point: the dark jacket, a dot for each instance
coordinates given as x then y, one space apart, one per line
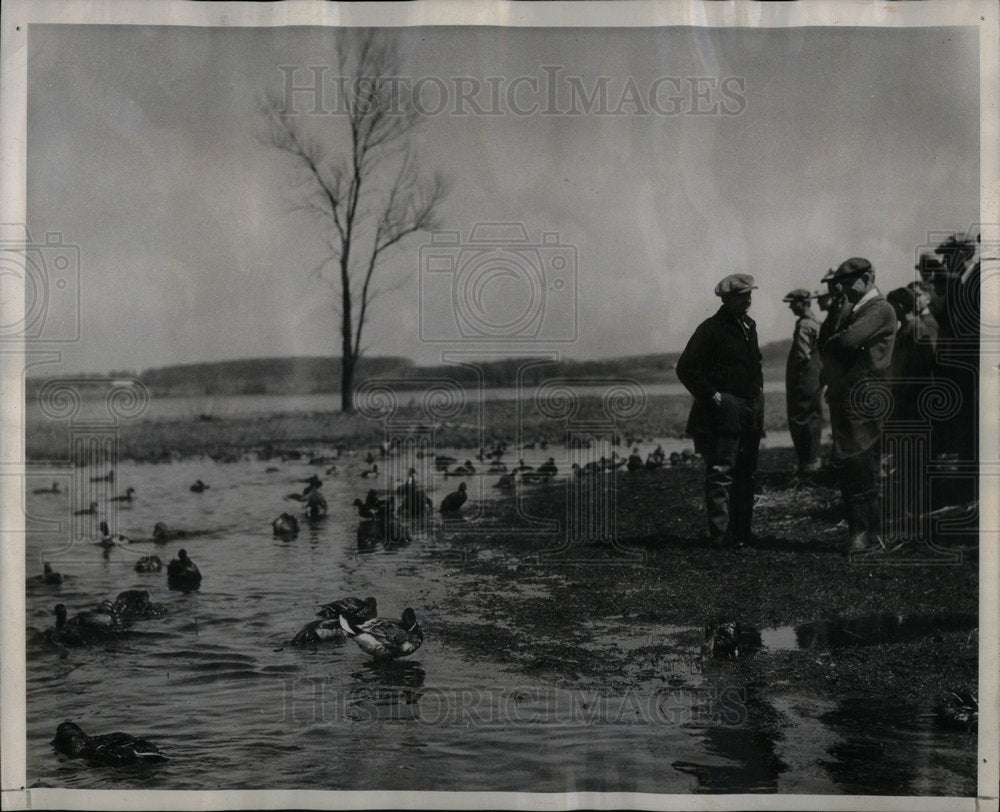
722 357
803 365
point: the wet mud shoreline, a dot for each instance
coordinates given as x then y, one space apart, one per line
897 636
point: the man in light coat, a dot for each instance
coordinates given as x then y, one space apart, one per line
861 349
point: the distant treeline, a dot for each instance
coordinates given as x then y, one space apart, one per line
308 375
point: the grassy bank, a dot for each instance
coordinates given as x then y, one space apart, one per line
224 437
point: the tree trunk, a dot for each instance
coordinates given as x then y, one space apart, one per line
347 384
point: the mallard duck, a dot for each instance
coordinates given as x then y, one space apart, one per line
109 750
108 477
50 576
183 573
453 502
135 604
506 482
548 468
319 631
316 506
53 489
149 563
109 539
198 487
163 533
285 525
354 609
90 511
959 710
386 639
126 497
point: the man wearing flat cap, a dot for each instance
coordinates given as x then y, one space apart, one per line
862 351
721 368
802 387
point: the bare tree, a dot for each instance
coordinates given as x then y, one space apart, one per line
366 190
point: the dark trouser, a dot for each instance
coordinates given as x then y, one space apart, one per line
730 465
859 488
805 422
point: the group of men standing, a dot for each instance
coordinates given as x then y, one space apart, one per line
721 367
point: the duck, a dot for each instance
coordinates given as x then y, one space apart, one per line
86 627
109 539
443 461
162 533
727 639
53 489
135 604
355 609
548 468
50 576
370 472
497 468
386 639
521 468
183 573
90 511
108 477
319 631
285 525
126 497
316 506
109 750
959 710
364 511
149 563
198 487
453 502
506 482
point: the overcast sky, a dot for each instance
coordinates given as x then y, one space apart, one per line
145 151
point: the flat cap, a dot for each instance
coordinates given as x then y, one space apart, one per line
855 266
828 276
904 297
735 284
797 295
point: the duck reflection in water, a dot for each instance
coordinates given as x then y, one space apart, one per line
388 690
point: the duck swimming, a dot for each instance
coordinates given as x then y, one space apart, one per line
149 563
183 573
108 477
453 502
285 525
373 471
162 533
109 539
87 511
316 506
127 497
135 604
386 639
198 487
50 576
109 750
53 489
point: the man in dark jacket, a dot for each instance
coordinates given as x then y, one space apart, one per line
861 350
721 367
802 388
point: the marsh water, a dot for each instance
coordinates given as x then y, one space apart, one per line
213 684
